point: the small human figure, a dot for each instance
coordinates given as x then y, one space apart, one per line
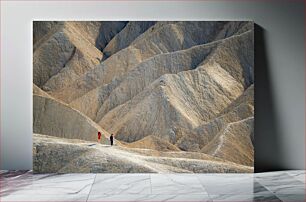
99 136
111 138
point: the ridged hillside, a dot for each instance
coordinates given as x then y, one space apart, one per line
177 95
163 37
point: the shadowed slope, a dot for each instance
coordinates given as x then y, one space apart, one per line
241 108
54 118
183 100
65 50
161 38
107 97
234 143
126 36
108 30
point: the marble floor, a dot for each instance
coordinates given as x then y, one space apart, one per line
270 186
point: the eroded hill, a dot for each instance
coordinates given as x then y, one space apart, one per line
178 96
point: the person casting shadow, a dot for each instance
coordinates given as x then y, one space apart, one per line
111 138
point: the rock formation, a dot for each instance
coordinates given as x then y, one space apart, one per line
190 97
120 90
126 36
107 31
154 143
64 53
52 117
179 96
163 37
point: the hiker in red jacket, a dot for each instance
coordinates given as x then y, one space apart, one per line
99 136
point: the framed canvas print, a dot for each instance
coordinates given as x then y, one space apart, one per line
143 96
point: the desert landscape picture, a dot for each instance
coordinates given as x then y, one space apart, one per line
176 96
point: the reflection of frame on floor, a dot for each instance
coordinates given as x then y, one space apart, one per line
270 186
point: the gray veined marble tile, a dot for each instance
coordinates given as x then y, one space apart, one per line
266 197
285 186
150 198
3 171
259 189
273 177
179 198
288 189
277 175
118 184
245 198
225 178
298 175
216 184
56 184
14 174
114 197
14 181
292 197
295 171
282 184
170 184
43 198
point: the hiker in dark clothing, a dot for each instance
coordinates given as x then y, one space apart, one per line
111 138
